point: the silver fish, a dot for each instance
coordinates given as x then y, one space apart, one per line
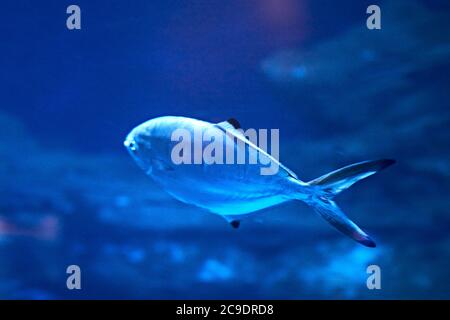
233 190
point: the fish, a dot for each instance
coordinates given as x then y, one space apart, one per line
236 190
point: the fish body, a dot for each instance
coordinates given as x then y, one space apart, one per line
228 189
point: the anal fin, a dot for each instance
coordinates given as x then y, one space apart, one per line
235 223
232 220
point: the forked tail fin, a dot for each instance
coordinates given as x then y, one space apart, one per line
327 186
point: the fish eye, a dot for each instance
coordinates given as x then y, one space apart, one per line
132 146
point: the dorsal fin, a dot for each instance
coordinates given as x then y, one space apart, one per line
234 123
230 125
235 223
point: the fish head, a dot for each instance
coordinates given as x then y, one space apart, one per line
139 145
150 145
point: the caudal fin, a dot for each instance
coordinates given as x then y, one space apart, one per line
327 186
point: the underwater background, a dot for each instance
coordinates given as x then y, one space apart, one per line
339 93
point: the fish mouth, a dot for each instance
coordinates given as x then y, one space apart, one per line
127 143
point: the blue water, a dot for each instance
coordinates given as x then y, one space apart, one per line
70 193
